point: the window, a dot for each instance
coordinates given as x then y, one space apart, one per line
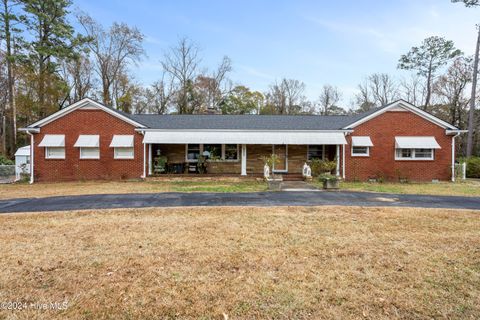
231 152
360 151
212 151
413 154
193 151
315 152
123 153
89 153
55 152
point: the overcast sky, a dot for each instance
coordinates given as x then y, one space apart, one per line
317 42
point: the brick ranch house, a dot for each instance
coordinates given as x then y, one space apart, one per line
88 140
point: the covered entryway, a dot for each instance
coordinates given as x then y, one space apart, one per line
241 152
281 151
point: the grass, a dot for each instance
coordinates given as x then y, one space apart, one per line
25 190
467 188
246 263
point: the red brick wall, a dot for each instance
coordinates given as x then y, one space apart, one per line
72 167
382 164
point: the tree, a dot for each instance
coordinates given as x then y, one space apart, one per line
160 95
11 34
53 40
473 96
376 90
181 62
412 89
432 54
113 50
211 88
78 74
242 101
286 97
329 97
450 88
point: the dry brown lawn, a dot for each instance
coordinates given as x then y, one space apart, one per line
184 184
246 263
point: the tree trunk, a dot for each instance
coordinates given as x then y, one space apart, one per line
429 88
471 112
10 131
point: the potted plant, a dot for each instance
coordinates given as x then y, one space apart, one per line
274 182
329 181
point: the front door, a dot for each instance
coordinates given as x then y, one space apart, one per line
281 152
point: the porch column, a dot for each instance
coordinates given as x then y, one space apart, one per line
338 159
144 175
244 159
343 162
150 156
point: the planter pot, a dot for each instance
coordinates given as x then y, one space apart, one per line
330 184
274 184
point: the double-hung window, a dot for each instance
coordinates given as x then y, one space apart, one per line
123 147
315 152
415 148
193 152
361 146
54 146
212 152
89 145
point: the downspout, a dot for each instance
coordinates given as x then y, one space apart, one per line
32 148
343 159
453 156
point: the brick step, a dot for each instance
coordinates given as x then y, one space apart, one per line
292 177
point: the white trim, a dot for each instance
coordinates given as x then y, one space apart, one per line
338 160
32 148
244 160
244 137
89 157
343 162
79 104
453 156
360 154
61 157
408 106
286 161
129 157
149 159
241 130
144 175
413 158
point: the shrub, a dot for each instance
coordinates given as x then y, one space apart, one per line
4 161
473 167
319 166
327 177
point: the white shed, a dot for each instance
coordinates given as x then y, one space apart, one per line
22 162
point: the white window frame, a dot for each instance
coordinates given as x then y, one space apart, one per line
366 154
413 158
222 159
230 160
82 157
47 156
323 151
129 157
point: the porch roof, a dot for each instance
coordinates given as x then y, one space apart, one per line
245 137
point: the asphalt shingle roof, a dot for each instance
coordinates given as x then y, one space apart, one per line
245 122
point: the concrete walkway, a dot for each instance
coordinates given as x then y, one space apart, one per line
297 186
281 198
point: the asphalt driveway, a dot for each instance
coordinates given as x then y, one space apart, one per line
265 199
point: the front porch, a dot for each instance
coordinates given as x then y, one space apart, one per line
234 159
